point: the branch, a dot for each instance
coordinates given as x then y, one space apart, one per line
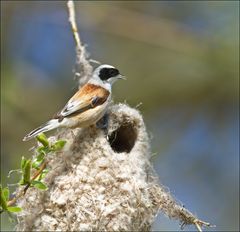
82 63
24 190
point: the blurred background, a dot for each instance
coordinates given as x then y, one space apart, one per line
182 63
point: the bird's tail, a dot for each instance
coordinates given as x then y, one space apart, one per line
50 125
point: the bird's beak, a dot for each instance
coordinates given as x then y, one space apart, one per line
120 76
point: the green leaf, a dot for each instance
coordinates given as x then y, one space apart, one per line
14 209
26 173
36 164
21 182
43 174
45 171
6 193
23 162
40 156
58 145
3 201
43 149
39 185
38 160
40 149
43 139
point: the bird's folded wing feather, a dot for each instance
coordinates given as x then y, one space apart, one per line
89 96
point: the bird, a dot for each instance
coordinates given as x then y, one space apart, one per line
87 106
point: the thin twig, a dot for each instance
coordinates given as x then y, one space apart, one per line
169 206
199 224
72 20
81 55
23 191
38 172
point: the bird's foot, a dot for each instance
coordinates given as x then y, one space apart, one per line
103 123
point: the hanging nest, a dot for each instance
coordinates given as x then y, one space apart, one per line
101 181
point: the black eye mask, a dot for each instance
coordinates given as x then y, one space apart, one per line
106 73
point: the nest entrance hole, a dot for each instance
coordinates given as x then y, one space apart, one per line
123 139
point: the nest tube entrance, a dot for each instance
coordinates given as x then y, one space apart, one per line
123 138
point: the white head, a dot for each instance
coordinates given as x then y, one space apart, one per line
107 74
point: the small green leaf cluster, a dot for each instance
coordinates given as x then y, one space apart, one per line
4 196
37 166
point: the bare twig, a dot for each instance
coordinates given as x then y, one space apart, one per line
173 209
199 224
190 219
82 62
198 227
72 20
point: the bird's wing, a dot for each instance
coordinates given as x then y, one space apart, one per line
89 96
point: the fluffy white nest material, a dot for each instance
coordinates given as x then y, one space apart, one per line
101 184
